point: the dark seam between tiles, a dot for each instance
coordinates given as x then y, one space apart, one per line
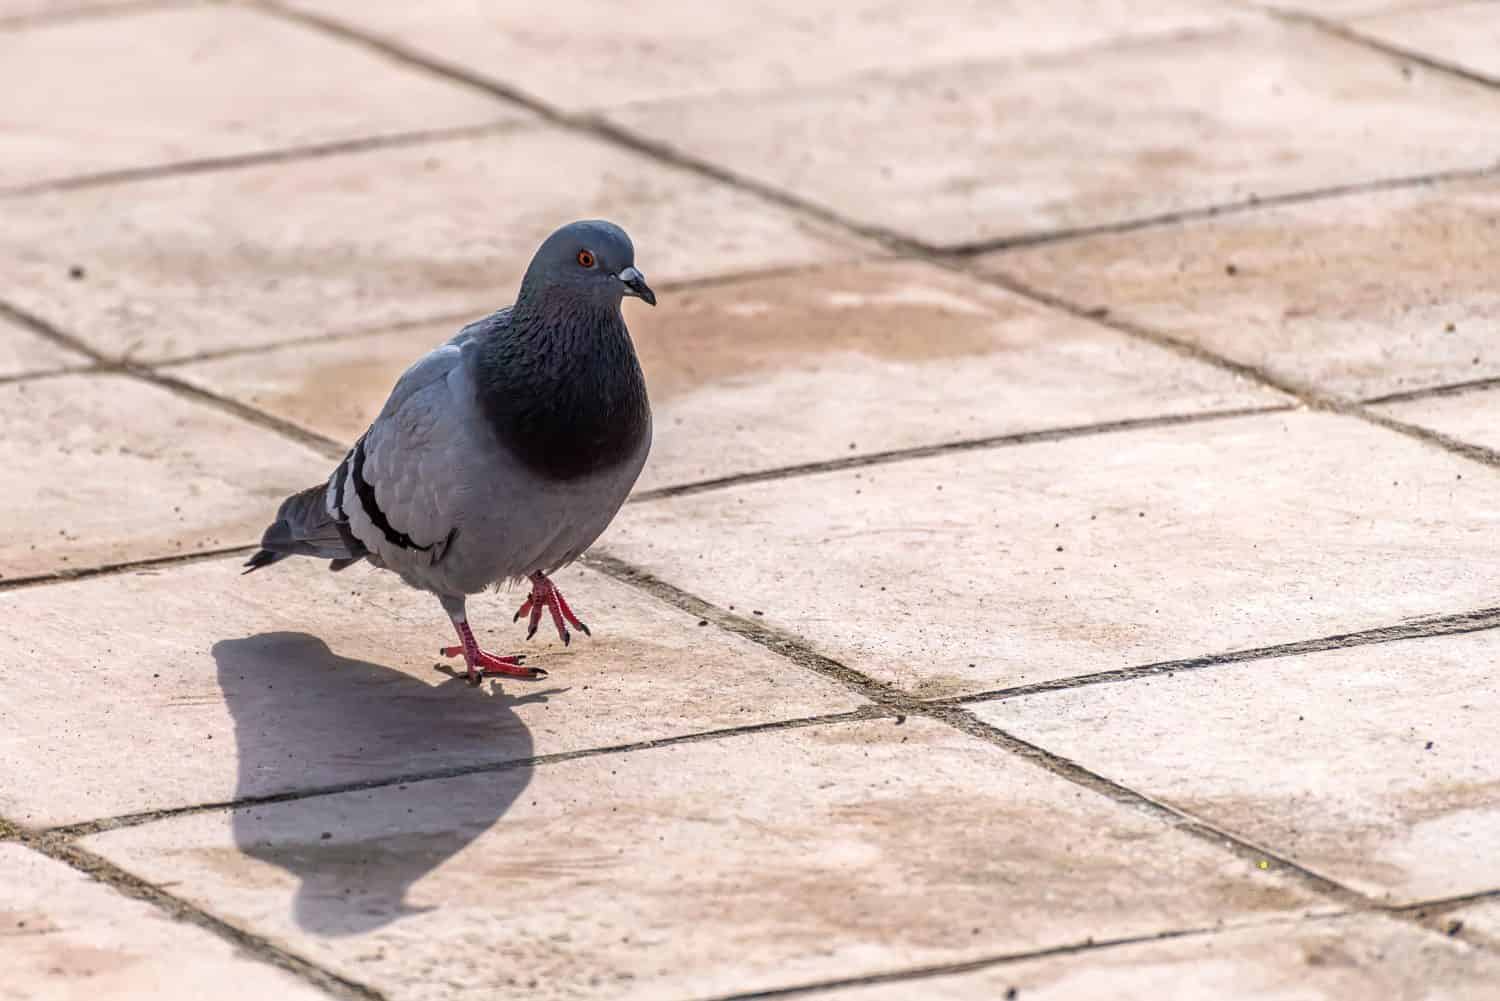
23 22
40 375
1252 204
1476 621
1352 35
105 824
885 696
966 966
30 321
319 443
597 126
1433 392
896 455
128 566
234 161
127 884
460 317
1309 396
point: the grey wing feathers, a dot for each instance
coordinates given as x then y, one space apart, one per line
399 489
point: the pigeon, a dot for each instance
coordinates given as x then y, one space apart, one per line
499 456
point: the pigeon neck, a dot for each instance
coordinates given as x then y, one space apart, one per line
562 388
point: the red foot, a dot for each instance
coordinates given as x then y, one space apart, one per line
485 665
544 594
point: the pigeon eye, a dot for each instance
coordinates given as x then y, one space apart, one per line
586 258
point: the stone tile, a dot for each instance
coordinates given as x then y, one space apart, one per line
1472 416
985 151
1344 9
296 679
188 83
67 938
1357 296
705 868
1466 35
981 570
15 10
1481 920
810 366
1385 776
1321 960
665 49
22 352
260 255
102 469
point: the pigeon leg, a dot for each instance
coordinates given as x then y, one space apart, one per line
544 594
482 665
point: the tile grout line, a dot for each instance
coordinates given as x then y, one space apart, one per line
1087 946
960 719
1405 182
25 22
285 154
128 566
910 453
1479 620
935 970
1352 35
127 884
601 128
104 825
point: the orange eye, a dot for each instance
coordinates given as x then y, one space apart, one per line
586 258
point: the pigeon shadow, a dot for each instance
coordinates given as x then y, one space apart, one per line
306 719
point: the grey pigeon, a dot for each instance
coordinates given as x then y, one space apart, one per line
502 454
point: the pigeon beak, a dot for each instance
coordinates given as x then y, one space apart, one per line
635 283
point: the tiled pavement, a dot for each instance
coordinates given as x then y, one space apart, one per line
1065 569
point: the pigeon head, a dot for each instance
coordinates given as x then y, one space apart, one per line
590 262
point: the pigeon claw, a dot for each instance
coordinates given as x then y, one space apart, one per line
545 595
487 665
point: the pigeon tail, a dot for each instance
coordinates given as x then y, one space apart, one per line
304 527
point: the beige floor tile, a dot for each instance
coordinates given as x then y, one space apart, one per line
1466 35
22 352
64 937
981 570
295 678
1344 9
188 83
1472 416
709 867
1372 765
818 365
258 255
1358 296
102 469
1320 960
1481 920
985 151
664 49
18 9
